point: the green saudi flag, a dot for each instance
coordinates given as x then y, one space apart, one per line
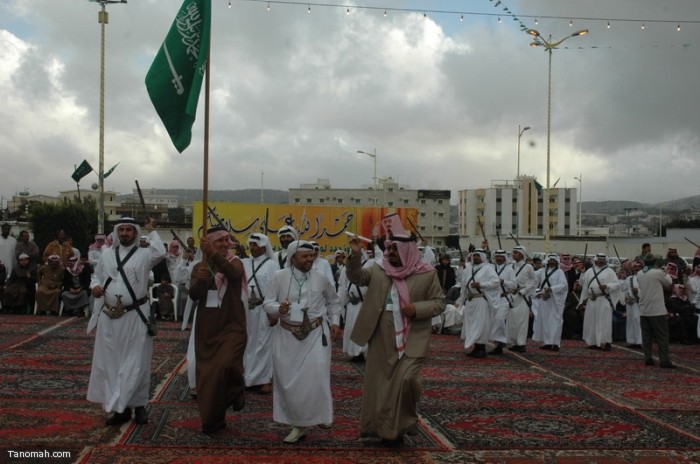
175 77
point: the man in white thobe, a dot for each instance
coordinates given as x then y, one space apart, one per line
519 316
286 235
121 364
7 249
600 294
548 302
504 302
633 328
480 292
301 349
351 297
260 268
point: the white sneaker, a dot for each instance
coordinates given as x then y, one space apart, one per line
295 435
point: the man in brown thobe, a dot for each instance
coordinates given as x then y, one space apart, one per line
48 292
220 330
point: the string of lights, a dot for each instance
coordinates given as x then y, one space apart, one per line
504 13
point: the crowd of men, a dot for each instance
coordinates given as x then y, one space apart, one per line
263 320
502 304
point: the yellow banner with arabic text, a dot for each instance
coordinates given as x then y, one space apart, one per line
326 225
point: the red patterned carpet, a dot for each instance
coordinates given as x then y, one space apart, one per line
575 406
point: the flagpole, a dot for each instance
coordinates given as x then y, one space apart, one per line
205 180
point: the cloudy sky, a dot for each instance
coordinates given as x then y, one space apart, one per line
295 95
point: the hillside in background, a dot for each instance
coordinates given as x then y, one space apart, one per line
237 196
616 206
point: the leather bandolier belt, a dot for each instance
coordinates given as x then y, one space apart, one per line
471 296
302 331
115 312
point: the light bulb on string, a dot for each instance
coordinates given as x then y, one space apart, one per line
536 22
268 6
608 24
571 23
499 20
347 11
461 18
229 3
385 13
308 10
679 27
643 26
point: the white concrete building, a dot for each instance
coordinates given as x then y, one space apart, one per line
519 211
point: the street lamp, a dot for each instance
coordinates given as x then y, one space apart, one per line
373 155
548 45
102 19
580 196
517 180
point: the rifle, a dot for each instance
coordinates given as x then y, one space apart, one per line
184 247
415 230
618 255
498 236
689 241
218 219
143 202
516 240
481 226
585 250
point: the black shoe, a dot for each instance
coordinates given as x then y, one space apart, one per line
555 348
119 418
517 349
358 359
497 350
668 365
141 415
391 443
648 362
546 347
593 347
239 403
479 351
213 428
607 347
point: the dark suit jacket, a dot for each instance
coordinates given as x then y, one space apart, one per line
426 295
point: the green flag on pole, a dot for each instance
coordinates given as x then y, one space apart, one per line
81 171
175 77
106 174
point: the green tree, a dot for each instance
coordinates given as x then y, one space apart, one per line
76 218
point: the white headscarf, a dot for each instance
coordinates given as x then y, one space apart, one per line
288 230
262 240
294 247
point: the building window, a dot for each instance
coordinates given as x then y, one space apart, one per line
296 200
357 201
390 189
422 202
439 227
391 203
321 200
340 200
405 202
308 200
422 214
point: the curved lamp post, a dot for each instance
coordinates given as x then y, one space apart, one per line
549 45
